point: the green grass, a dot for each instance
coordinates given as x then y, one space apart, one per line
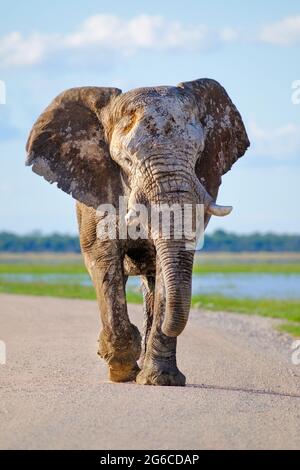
285 309
291 328
79 268
288 310
134 297
32 268
70 291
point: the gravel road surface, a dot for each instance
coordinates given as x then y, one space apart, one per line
243 391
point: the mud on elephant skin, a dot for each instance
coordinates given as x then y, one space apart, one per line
162 145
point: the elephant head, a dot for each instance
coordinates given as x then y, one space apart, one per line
157 145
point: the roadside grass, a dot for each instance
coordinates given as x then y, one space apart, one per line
33 268
291 328
70 291
205 268
273 308
288 310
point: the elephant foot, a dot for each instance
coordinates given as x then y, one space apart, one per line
121 353
126 373
170 376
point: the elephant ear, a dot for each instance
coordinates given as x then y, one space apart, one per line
226 139
67 145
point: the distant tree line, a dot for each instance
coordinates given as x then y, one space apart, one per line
36 242
226 241
217 241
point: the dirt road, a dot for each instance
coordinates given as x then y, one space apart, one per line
243 391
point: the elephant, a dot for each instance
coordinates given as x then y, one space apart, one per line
164 144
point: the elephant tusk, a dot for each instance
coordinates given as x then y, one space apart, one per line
220 211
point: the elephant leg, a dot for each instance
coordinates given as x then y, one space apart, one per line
148 288
159 366
120 340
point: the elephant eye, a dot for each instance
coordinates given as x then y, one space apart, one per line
127 161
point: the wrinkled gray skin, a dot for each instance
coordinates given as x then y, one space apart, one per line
155 145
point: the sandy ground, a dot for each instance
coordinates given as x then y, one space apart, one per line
243 391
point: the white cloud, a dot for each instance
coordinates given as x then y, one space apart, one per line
112 33
281 144
16 50
149 32
228 34
285 32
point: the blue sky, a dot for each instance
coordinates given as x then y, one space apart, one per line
252 48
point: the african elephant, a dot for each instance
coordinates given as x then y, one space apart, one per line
164 145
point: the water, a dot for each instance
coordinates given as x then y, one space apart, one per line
253 286
278 286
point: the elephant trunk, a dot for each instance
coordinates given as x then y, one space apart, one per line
177 265
176 187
